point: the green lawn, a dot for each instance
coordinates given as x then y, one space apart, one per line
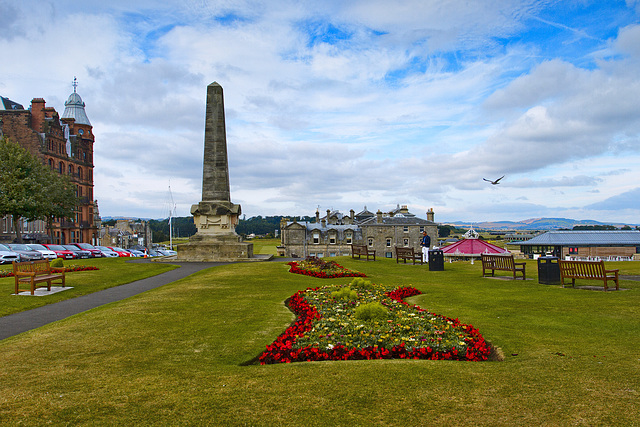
112 272
174 356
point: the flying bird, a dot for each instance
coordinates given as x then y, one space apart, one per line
497 181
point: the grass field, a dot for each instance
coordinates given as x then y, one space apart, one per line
112 272
174 356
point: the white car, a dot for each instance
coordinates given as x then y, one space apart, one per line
46 252
7 256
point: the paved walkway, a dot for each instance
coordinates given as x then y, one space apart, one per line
18 323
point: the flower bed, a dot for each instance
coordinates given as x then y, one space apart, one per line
317 267
9 273
332 324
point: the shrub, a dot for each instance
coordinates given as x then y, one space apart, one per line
345 293
56 263
371 311
361 283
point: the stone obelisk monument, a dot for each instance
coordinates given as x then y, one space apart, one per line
215 216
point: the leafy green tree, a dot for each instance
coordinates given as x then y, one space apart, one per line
29 190
62 199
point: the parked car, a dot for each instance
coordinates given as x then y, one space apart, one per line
7 256
95 252
46 253
120 251
107 252
61 251
135 252
167 252
153 252
26 253
81 253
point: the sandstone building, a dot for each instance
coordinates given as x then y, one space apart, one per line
333 234
65 144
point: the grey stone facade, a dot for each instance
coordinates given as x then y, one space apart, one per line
333 234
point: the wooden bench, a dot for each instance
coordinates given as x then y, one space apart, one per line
362 250
495 262
408 253
34 272
590 270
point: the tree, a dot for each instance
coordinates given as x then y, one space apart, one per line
62 198
29 190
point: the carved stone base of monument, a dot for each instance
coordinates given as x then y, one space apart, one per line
216 239
218 248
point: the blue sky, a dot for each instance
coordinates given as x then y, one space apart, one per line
346 104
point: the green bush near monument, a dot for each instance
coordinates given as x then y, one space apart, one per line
175 355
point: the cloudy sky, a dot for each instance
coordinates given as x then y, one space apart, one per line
341 104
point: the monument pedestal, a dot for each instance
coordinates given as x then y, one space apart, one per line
215 248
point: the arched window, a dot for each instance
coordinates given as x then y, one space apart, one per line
51 163
61 168
70 169
80 172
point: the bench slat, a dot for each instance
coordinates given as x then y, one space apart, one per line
589 270
502 262
35 272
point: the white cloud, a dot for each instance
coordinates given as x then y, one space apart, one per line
343 104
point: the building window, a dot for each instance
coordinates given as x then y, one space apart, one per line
332 239
573 251
70 169
406 228
388 254
60 168
405 242
80 173
421 228
388 242
349 238
370 241
316 238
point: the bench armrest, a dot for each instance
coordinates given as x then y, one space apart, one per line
24 273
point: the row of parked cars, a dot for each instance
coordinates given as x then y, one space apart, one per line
32 252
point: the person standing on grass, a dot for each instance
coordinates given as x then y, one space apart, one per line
425 243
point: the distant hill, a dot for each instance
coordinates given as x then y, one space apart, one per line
532 224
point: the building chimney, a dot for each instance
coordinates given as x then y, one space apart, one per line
328 214
352 215
430 215
37 114
317 216
379 216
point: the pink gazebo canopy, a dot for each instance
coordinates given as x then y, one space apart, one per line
472 247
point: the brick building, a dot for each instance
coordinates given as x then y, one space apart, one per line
65 144
333 234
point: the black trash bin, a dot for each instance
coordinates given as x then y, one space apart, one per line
436 260
548 270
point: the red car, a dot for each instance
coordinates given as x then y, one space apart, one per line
119 251
95 252
61 251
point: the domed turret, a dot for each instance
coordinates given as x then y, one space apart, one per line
74 107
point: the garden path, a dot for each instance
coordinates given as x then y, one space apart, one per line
18 323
